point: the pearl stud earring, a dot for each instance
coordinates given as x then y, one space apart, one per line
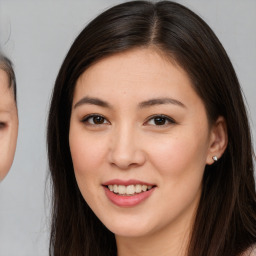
215 158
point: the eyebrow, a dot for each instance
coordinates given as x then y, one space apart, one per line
8 110
160 101
92 101
147 103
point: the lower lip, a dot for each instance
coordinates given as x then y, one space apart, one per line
128 201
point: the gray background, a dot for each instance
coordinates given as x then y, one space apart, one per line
36 35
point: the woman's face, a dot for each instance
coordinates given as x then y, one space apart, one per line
137 127
8 125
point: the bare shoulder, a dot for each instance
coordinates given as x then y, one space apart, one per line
250 251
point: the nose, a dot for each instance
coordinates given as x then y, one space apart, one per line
126 149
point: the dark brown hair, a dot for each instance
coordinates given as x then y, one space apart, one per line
225 221
6 66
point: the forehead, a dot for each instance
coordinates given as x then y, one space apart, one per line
136 62
7 102
4 81
137 72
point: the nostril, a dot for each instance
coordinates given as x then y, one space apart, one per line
126 158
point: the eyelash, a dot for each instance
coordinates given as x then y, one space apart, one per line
92 116
165 119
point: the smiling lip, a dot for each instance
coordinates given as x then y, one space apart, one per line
126 183
127 200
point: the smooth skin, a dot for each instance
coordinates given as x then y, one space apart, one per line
135 115
8 125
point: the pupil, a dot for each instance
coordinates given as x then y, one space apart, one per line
98 120
159 120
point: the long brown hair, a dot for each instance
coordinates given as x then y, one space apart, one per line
225 221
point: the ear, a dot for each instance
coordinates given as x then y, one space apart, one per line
218 140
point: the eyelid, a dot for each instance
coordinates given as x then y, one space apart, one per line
168 118
87 117
106 121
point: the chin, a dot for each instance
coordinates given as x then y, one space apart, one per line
129 231
129 227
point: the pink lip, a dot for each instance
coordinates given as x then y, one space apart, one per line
127 201
126 182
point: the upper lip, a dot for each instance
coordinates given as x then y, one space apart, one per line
126 182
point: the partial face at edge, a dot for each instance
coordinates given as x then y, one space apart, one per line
8 125
136 119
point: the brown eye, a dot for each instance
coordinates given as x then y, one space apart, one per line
98 120
160 120
2 125
95 120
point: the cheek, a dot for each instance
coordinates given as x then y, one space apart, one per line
87 153
6 158
8 144
180 163
179 155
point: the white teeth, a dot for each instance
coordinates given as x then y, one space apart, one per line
144 188
128 190
138 188
121 189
